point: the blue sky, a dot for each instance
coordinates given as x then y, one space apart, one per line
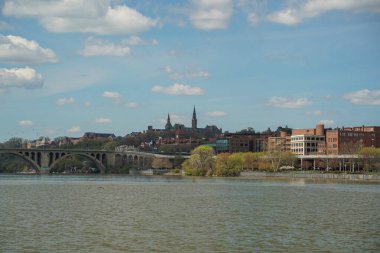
69 67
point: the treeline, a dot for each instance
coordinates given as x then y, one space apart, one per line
204 162
13 164
370 158
142 141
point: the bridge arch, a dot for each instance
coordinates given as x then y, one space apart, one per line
99 165
25 158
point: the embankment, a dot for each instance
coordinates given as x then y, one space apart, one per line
256 174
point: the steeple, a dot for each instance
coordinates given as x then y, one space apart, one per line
168 125
194 120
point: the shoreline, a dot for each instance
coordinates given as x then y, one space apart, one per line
244 174
334 176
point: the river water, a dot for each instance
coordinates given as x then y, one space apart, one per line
169 214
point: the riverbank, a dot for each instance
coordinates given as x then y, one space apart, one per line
257 174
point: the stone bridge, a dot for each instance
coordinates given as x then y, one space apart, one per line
43 160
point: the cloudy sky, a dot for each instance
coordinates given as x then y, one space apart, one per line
71 66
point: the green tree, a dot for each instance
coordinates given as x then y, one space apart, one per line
370 157
277 155
251 161
227 165
90 144
201 161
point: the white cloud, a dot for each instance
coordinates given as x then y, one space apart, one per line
103 120
283 102
25 123
87 104
26 78
97 47
179 89
364 97
111 94
98 17
15 49
314 113
132 105
137 41
74 129
216 114
327 122
298 11
175 75
65 101
211 14
118 99
115 96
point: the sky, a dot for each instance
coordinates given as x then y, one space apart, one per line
116 66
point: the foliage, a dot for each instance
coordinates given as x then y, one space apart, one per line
201 161
251 161
370 157
14 142
228 164
75 164
13 164
277 155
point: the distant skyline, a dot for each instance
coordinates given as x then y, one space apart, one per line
69 67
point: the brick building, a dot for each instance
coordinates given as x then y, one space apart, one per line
348 140
250 141
282 142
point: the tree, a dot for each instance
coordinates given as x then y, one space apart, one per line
201 161
228 164
369 156
277 155
14 142
350 148
251 160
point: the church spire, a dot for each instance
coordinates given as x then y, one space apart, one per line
168 125
194 120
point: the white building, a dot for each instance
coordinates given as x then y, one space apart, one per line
307 144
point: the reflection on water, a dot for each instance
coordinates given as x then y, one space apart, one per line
168 214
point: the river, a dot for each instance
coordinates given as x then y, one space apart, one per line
174 214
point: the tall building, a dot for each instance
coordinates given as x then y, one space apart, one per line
168 125
194 120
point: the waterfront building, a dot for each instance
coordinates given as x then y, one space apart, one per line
308 141
281 143
348 140
249 141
